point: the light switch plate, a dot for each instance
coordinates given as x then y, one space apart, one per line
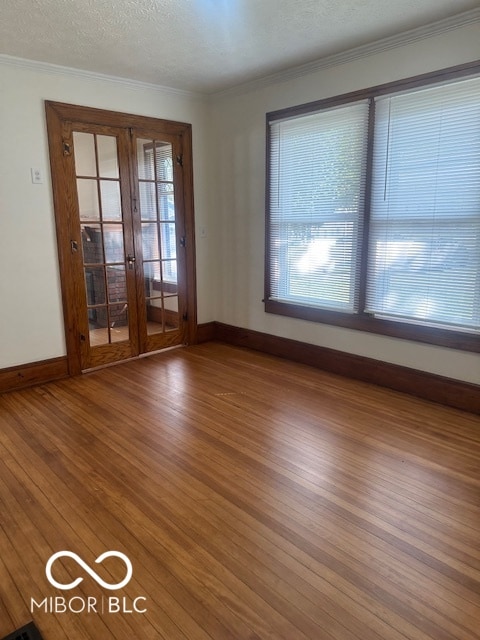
37 177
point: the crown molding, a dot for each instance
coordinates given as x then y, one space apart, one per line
56 69
343 57
363 51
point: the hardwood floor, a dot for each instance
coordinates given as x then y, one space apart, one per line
256 499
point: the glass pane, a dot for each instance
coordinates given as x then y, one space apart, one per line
151 271
98 326
166 204
84 150
154 328
163 153
170 312
101 317
169 240
152 279
150 241
95 285
145 160
165 287
154 316
170 288
92 243
148 206
88 199
316 262
169 271
107 156
113 240
316 208
164 188
110 195
118 322
98 337
117 284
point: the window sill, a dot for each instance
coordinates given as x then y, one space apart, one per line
364 322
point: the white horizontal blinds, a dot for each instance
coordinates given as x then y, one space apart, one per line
424 255
317 183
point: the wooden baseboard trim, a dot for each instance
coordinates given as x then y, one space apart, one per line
446 391
27 375
206 332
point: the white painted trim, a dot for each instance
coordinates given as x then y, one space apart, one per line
363 51
57 69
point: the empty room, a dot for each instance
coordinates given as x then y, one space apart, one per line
240 320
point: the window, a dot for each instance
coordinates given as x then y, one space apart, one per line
373 210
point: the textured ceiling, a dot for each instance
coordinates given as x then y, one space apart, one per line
203 45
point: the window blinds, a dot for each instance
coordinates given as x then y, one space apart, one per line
316 202
424 247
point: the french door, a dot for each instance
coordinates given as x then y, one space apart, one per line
124 216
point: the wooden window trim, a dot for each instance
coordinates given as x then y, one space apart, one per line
461 340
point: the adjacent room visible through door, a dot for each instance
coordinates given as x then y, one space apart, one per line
124 215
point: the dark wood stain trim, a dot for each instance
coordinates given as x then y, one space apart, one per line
63 200
362 321
103 117
206 332
267 261
189 218
367 201
27 375
439 389
424 79
60 116
35 373
429 386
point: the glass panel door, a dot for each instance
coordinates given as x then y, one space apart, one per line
124 221
159 239
106 260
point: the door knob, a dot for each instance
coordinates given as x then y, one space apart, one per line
131 260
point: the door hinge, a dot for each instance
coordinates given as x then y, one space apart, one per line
67 149
183 241
180 160
185 317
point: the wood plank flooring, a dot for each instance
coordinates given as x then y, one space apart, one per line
256 499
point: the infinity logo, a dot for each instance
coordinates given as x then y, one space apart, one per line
91 572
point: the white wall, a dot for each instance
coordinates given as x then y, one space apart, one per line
229 173
238 125
31 320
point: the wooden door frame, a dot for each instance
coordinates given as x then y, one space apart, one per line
59 115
